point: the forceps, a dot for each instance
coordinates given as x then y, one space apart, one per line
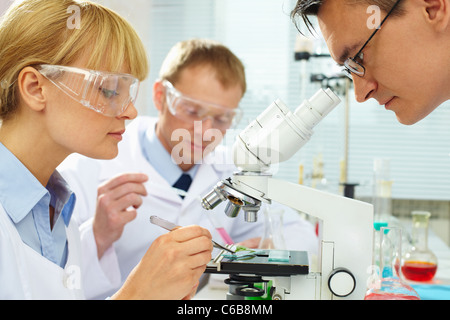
170 226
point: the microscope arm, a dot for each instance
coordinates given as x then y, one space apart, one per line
346 233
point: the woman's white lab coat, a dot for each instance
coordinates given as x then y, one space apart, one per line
25 274
84 175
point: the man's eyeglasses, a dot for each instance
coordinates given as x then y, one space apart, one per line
354 65
104 92
191 110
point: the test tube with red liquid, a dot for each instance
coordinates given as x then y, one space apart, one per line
219 228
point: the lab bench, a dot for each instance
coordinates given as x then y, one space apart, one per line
437 289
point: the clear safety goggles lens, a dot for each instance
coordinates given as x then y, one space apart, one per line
191 110
103 92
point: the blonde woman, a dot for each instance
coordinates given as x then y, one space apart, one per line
69 75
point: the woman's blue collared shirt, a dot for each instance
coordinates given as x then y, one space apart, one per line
27 203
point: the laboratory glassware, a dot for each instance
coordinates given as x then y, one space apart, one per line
382 192
419 263
389 285
273 229
377 225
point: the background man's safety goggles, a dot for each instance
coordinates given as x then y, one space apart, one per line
190 110
104 92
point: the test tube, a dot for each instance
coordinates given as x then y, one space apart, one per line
382 199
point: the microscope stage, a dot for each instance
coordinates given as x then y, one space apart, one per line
261 262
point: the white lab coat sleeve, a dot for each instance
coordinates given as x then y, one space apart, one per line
103 274
10 278
99 276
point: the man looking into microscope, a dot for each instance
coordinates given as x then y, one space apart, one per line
404 65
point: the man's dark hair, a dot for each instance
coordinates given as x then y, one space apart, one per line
306 8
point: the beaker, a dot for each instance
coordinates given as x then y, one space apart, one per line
389 285
419 263
273 237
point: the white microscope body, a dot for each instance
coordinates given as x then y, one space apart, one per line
346 228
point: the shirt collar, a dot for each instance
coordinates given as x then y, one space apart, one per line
20 191
63 199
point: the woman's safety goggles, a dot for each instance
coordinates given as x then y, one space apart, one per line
190 110
103 92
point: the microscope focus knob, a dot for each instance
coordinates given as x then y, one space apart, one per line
341 282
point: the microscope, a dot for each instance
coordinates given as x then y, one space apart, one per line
346 225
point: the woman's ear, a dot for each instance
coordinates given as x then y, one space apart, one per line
30 83
159 95
438 13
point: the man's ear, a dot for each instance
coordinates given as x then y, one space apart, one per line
438 13
159 95
30 83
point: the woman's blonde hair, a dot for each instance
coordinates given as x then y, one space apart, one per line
60 32
191 53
